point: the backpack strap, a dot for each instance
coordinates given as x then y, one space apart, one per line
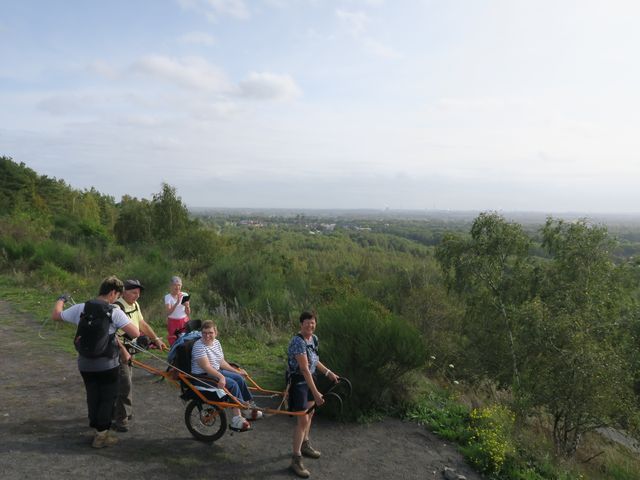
120 305
97 307
313 348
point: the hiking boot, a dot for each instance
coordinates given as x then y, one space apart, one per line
239 424
104 439
298 468
308 451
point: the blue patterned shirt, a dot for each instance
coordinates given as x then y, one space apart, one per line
298 346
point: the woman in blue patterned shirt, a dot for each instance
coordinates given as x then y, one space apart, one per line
303 365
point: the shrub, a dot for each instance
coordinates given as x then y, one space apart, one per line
13 250
490 440
61 254
485 435
374 349
53 276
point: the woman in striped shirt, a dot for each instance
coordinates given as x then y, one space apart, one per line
207 358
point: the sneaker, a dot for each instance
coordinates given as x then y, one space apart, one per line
239 424
308 451
252 414
298 468
104 439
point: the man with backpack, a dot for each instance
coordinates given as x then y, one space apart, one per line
128 303
98 352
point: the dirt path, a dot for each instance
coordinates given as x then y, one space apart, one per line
44 432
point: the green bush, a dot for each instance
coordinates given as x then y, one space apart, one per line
485 435
61 254
491 438
53 276
14 250
374 349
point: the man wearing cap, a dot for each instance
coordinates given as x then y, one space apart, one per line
128 303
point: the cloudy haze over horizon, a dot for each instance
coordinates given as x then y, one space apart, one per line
404 104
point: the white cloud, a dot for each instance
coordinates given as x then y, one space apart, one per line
203 85
269 86
189 72
198 38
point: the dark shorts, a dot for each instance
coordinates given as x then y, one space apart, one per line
299 395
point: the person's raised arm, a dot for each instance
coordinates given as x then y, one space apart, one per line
56 313
172 307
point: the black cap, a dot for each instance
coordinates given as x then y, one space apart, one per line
131 284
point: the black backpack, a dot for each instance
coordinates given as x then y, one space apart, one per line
93 339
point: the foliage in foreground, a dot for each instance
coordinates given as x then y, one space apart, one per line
483 434
373 348
502 449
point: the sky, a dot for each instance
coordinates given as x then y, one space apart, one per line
407 104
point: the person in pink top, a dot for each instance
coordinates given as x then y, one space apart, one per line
178 309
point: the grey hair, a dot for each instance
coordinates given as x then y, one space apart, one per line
175 280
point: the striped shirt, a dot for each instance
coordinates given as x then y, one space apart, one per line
213 353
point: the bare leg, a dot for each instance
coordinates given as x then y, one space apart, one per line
301 431
306 432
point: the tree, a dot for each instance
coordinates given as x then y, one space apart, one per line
134 222
492 273
170 215
566 317
580 373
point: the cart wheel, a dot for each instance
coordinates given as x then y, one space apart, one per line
206 423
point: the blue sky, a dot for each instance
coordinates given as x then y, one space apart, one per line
410 104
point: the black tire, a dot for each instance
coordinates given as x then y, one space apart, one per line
206 422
